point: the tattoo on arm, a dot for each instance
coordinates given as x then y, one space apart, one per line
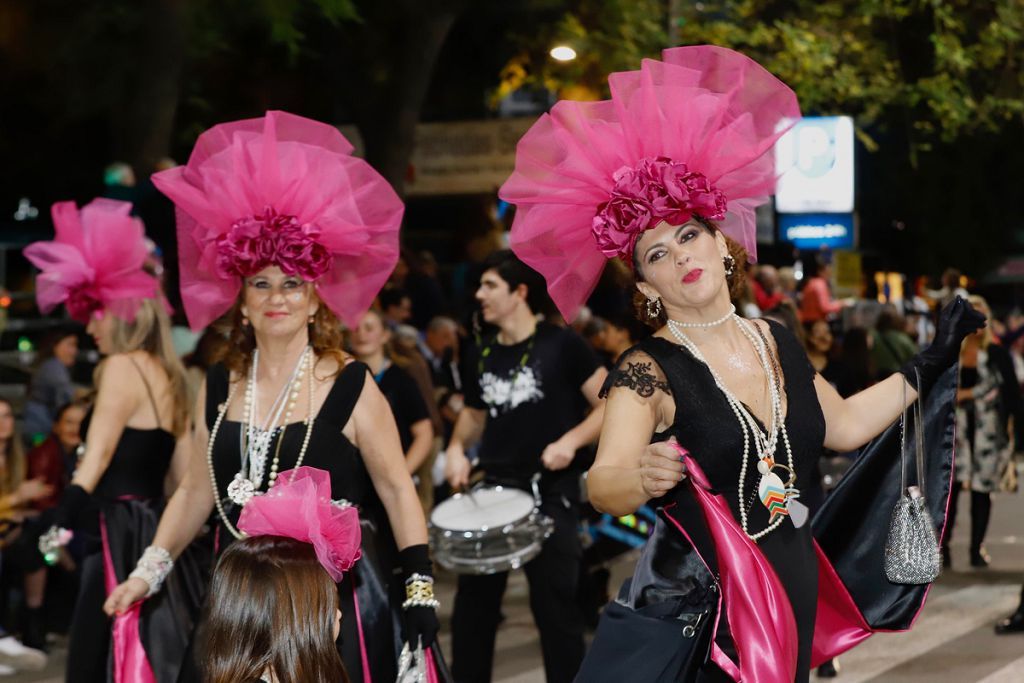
639 377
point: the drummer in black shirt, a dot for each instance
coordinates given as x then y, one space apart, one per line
528 390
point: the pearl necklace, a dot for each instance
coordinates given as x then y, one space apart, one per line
704 326
255 441
748 424
272 479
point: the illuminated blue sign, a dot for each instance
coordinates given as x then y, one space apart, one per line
816 230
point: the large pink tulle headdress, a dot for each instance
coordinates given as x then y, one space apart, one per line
688 136
95 263
299 506
281 190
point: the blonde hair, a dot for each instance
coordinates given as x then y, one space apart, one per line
986 334
150 331
14 467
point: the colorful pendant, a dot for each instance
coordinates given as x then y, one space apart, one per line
772 493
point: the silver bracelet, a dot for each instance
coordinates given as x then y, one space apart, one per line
153 567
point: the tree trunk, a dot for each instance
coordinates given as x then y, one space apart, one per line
397 54
145 122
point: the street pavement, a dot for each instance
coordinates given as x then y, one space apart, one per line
952 641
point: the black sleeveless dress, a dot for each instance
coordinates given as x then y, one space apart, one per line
370 632
121 523
705 425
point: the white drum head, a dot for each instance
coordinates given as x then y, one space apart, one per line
485 508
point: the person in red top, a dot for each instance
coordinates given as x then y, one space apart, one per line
768 293
54 459
816 302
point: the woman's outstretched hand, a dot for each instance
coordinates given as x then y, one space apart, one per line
124 596
661 468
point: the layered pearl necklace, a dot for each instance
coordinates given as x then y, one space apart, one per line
249 478
778 498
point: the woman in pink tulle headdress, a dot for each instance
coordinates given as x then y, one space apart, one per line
280 227
717 419
133 438
273 612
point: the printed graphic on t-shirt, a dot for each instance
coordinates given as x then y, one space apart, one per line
502 394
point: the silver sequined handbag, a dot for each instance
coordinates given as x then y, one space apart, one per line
912 550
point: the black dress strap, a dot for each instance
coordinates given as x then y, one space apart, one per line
216 391
341 400
149 391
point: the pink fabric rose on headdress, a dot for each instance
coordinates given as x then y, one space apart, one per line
256 242
281 190
653 191
689 135
95 261
299 506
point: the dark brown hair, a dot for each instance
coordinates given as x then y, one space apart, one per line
737 281
324 337
271 608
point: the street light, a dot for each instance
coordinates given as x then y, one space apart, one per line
563 53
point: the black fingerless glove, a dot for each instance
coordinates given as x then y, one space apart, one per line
956 321
420 623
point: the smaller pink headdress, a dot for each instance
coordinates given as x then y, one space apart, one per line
690 135
299 506
281 190
95 262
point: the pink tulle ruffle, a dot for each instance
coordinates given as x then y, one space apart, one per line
586 177
299 506
282 190
95 262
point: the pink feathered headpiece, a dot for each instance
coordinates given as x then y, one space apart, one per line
94 263
299 506
281 190
689 135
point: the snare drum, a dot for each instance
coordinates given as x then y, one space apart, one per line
488 530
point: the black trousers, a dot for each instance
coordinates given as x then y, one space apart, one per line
553 577
981 511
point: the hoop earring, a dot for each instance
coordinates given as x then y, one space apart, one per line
730 264
653 308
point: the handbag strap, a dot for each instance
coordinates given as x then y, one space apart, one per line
917 424
903 441
919 435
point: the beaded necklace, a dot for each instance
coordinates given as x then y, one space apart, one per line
778 498
272 479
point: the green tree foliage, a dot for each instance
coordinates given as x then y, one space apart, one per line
607 35
944 68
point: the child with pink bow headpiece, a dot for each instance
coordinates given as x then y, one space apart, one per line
273 612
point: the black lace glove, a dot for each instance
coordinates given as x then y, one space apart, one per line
420 621
956 321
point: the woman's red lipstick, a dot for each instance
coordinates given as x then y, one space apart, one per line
276 314
693 276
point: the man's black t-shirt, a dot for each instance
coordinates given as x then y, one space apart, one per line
406 401
531 392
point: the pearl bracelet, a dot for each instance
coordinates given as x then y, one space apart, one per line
153 568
